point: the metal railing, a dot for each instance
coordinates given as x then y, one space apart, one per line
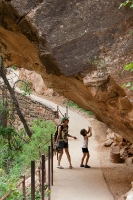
59 112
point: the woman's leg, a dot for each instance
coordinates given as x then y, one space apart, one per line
60 156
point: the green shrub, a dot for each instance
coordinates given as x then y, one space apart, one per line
74 105
16 161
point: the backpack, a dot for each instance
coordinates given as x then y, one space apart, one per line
56 133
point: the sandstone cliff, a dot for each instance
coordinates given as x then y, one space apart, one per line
78 47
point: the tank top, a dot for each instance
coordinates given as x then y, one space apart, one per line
64 134
85 142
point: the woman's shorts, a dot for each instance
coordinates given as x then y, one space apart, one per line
62 145
85 150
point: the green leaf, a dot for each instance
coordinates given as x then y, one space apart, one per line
131 6
121 5
123 85
128 84
128 66
131 88
14 67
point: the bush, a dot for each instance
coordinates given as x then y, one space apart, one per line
15 162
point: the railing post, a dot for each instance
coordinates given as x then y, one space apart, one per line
43 168
66 111
23 187
57 108
49 171
32 180
39 175
57 112
51 159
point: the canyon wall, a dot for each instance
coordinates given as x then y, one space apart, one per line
79 48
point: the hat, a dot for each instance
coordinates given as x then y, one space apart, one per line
64 119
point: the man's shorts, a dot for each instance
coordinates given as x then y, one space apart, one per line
62 145
85 150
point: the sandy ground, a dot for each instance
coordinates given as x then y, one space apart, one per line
104 180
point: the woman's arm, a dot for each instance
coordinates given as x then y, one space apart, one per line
59 132
71 136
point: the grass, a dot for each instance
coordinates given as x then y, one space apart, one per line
71 104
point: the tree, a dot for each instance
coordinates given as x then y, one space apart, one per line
12 93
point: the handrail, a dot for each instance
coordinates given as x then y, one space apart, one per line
49 154
6 195
58 110
44 144
66 114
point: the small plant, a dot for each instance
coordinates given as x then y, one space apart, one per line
3 106
128 67
74 105
94 61
128 85
14 67
127 3
97 62
26 87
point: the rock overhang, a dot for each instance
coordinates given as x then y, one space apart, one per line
57 38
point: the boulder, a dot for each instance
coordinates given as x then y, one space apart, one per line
115 154
128 195
108 142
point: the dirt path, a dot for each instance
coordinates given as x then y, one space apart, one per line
78 183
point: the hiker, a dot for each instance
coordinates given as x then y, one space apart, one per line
62 141
86 134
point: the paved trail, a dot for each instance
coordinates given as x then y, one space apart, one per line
78 183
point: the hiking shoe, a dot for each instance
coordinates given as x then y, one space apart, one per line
81 165
70 167
60 167
87 166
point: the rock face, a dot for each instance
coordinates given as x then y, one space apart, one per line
78 47
37 83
